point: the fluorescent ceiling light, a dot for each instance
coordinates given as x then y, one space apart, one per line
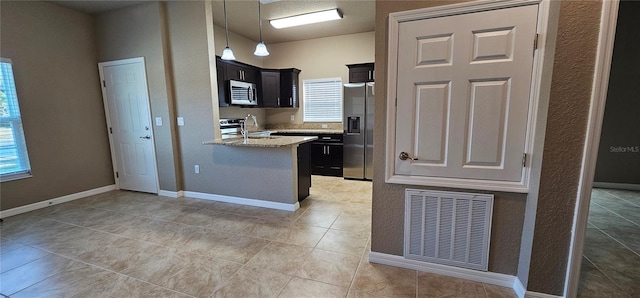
309 18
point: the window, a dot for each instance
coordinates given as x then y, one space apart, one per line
322 100
14 161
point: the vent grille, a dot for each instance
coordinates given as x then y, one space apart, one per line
450 228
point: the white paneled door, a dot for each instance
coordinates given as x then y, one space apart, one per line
127 102
463 90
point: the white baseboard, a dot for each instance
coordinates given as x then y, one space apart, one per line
171 194
242 201
519 288
626 186
492 278
55 201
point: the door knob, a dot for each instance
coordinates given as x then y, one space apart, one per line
146 137
405 156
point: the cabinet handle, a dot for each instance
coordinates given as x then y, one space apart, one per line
291 101
328 150
278 101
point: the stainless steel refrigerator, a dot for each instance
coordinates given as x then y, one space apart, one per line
358 111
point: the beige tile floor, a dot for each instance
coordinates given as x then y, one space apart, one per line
128 244
611 255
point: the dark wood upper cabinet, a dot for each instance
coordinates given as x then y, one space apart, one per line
222 88
277 88
270 89
361 73
289 88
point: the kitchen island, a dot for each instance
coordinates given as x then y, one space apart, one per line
263 171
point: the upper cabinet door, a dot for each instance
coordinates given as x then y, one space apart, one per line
463 93
361 73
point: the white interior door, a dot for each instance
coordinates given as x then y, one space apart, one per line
463 93
127 102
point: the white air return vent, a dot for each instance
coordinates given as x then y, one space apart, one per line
449 228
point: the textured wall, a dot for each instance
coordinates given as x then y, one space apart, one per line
577 40
55 68
140 31
619 154
388 199
189 56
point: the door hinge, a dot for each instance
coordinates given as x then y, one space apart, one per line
104 83
117 175
110 130
535 41
524 160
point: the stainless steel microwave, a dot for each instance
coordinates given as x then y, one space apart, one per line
243 93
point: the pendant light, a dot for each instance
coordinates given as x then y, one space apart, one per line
261 48
227 54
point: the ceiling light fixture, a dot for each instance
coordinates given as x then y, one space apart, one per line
227 54
261 48
309 18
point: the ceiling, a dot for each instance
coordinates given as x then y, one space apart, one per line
359 16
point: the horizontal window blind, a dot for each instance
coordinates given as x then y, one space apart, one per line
14 160
322 100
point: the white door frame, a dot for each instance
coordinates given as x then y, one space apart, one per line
599 90
114 163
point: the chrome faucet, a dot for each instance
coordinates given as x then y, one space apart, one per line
245 133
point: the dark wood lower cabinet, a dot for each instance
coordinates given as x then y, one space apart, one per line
304 171
326 159
325 153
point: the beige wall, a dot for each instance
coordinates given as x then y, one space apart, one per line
566 127
140 31
55 68
318 58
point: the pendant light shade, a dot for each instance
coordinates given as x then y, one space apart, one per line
261 48
227 54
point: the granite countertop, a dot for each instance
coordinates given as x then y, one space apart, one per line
262 141
305 131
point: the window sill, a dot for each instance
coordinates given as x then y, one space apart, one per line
12 177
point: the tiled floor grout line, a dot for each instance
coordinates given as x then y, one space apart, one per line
622 198
605 208
607 276
148 242
99 267
616 240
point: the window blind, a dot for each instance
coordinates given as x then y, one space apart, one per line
322 100
14 160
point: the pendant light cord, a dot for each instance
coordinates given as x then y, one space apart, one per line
260 20
226 29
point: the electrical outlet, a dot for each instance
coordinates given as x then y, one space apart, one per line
158 121
196 168
180 121
325 126
293 118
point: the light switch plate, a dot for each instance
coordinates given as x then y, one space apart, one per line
158 121
293 118
196 169
180 121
